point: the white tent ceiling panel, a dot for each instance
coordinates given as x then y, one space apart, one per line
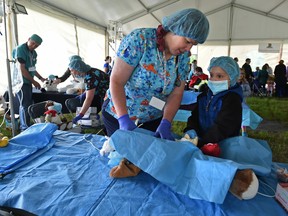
259 4
256 19
149 21
281 11
249 25
219 26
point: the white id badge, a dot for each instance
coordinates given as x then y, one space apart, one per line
157 103
32 68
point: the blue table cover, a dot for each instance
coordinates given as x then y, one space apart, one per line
71 178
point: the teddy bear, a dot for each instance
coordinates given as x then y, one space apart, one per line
245 183
244 186
49 84
53 115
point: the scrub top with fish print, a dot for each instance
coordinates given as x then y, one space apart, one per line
97 79
148 79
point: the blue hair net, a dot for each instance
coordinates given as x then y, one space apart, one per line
74 57
229 65
79 66
190 23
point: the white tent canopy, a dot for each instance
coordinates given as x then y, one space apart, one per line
237 28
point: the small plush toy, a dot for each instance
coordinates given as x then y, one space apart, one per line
53 115
3 105
49 85
106 148
4 140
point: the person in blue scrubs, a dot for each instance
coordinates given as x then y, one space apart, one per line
27 57
96 85
148 77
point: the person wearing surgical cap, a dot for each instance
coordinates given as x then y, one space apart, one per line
96 85
148 78
67 73
26 55
218 112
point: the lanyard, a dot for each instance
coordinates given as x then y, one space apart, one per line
31 58
164 74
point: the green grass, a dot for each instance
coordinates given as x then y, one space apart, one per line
272 109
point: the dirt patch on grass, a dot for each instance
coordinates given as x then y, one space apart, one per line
273 126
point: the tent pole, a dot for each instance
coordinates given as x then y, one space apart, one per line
9 76
230 28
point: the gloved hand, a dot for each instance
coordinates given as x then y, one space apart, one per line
125 123
164 130
192 133
77 118
81 97
211 149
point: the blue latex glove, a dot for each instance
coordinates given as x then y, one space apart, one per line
125 123
164 130
77 118
192 133
81 97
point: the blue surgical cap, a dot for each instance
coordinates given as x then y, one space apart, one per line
229 65
79 66
190 23
36 38
74 57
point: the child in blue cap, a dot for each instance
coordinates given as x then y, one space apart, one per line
218 113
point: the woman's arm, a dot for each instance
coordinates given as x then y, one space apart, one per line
88 100
173 102
121 73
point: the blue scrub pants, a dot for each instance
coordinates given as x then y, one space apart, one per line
25 100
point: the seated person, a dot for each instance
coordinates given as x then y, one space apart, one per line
197 77
67 73
218 112
96 84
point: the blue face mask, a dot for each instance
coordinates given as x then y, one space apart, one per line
79 76
218 86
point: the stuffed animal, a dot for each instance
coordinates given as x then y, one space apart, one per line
53 115
244 186
245 183
49 85
4 140
106 148
3 105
